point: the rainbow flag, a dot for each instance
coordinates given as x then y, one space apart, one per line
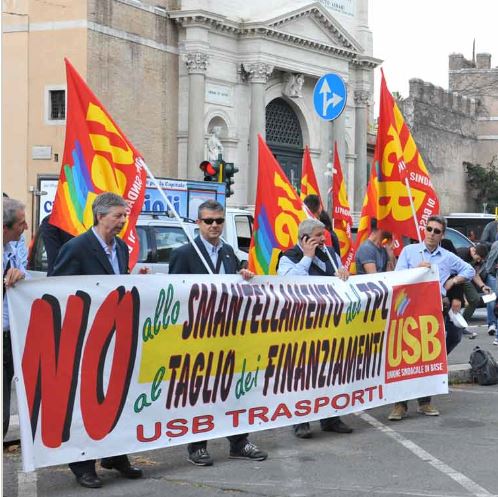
341 212
278 212
97 158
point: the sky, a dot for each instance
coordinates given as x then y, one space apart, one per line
415 37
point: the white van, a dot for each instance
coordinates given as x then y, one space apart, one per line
159 235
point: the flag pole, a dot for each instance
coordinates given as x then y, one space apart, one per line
177 217
402 170
417 227
402 167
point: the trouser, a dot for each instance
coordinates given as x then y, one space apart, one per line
234 440
473 299
323 422
8 374
490 306
81 467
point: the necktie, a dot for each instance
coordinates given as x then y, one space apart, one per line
7 267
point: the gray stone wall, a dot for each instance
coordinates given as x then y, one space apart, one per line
133 69
451 127
479 81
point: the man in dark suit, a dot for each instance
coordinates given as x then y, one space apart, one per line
222 260
53 239
98 251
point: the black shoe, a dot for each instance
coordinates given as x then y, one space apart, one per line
336 425
247 450
126 470
200 457
302 430
89 480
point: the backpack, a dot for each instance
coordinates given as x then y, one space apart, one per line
484 367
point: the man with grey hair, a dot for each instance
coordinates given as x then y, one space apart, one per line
99 251
309 258
14 224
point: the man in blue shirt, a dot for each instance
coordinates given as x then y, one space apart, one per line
452 271
375 255
14 224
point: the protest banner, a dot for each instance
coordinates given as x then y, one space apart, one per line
120 364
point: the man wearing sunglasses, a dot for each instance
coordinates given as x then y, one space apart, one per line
452 271
222 260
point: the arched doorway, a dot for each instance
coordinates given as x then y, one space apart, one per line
285 138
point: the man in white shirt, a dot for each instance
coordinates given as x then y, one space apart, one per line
14 224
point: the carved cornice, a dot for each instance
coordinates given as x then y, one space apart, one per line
323 18
347 47
361 97
366 62
257 72
196 62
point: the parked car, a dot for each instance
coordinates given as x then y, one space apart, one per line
159 235
458 239
464 222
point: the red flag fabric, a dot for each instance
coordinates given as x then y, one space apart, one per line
309 184
97 158
278 212
341 212
397 158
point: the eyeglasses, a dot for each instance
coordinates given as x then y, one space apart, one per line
211 220
430 229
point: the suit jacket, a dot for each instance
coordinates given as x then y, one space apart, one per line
184 259
84 255
53 239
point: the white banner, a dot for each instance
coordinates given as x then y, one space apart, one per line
121 364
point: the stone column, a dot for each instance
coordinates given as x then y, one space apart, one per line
196 63
257 75
361 99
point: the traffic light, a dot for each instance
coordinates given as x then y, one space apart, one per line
228 172
211 170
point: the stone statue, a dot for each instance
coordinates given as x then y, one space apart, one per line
294 85
214 144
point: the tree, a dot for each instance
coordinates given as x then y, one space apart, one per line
483 182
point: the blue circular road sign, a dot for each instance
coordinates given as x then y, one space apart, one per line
329 96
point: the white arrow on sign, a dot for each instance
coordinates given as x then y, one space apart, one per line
333 100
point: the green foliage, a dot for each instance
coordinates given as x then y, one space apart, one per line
483 182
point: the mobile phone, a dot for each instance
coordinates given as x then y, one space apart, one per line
305 238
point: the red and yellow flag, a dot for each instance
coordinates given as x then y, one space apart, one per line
341 212
309 184
97 158
396 158
278 212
